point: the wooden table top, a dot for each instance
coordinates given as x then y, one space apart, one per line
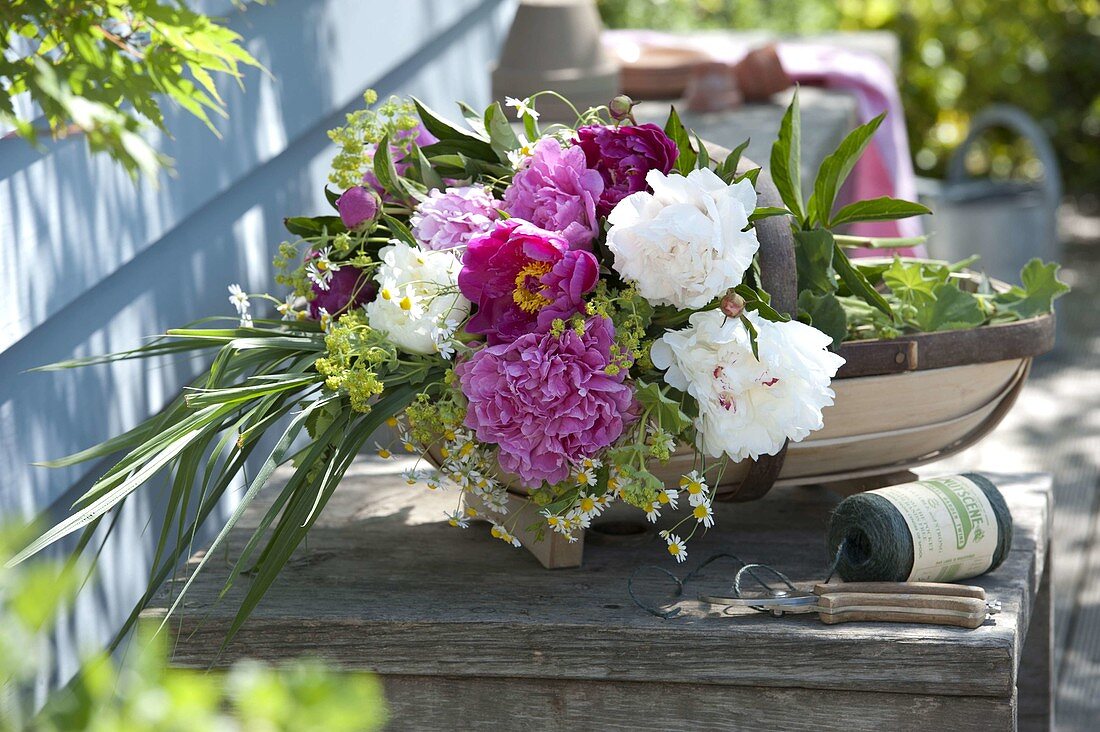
386 585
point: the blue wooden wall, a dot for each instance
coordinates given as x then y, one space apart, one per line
93 263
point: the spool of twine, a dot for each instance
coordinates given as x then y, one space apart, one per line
872 542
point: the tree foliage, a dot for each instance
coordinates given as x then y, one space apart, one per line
103 68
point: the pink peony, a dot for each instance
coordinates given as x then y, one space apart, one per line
349 288
546 401
447 219
521 278
556 190
623 155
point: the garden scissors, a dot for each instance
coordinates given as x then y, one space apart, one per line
932 603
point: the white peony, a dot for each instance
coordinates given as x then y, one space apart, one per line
748 408
417 296
683 244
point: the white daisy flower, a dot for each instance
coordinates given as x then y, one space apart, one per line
588 506
704 514
652 512
696 487
669 497
522 106
239 298
503 534
676 547
586 476
246 320
320 268
458 519
288 308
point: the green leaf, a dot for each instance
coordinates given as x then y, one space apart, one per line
786 159
501 136
703 160
760 301
764 212
950 309
399 230
857 283
836 167
877 209
879 242
385 169
751 330
331 196
447 131
1041 287
727 171
826 314
909 282
428 175
674 128
312 226
666 410
751 175
814 260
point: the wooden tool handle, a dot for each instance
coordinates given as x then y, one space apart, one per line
842 607
943 589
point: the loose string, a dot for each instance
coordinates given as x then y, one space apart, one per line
746 568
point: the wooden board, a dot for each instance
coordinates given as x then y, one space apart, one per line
386 586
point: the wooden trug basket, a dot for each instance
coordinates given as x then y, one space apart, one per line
899 403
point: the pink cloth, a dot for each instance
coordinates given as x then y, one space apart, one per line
885 168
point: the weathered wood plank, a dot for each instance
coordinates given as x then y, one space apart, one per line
385 585
446 702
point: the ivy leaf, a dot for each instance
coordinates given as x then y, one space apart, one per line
786 159
826 314
813 254
501 136
666 410
877 209
857 283
951 309
836 167
1041 287
674 128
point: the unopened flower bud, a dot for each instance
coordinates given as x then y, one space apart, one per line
358 207
620 107
732 305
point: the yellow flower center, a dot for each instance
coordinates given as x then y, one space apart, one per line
528 292
587 504
700 512
694 487
674 549
406 303
662 497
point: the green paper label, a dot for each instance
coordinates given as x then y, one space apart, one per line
953 526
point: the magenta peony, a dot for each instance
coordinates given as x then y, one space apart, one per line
358 206
623 155
546 401
556 190
447 219
348 288
521 278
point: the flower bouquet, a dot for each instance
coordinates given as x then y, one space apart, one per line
549 311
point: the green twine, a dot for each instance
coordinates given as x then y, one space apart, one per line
871 541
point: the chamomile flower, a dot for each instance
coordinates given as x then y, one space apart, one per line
586 477
704 514
458 519
443 334
499 532
652 512
325 319
287 307
321 268
240 300
246 320
383 452
696 487
588 505
522 106
676 547
669 497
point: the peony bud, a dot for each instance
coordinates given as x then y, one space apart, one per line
358 207
620 108
732 305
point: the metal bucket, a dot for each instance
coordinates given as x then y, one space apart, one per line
1007 222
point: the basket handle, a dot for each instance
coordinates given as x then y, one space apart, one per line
779 278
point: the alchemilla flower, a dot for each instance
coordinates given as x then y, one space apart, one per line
748 408
683 244
546 401
418 294
447 219
555 190
522 279
624 155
